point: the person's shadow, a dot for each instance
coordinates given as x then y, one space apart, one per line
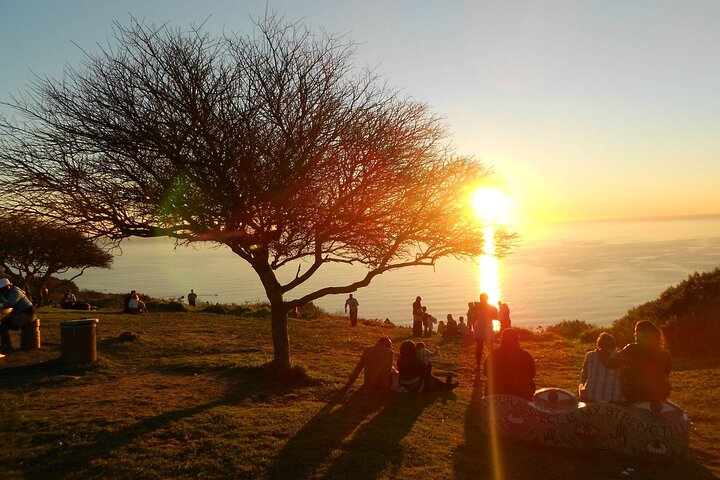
375 445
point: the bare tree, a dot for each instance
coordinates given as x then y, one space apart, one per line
33 250
272 144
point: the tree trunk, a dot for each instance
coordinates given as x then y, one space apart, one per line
281 341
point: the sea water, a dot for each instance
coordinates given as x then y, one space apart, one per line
593 271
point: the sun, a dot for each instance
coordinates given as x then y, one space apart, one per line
490 204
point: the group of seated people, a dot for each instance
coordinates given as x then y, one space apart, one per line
639 372
69 301
453 328
133 304
413 373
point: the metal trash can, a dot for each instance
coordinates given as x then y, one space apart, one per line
30 335
77 340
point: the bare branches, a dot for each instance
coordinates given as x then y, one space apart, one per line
272 144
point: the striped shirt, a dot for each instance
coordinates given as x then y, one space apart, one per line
600 384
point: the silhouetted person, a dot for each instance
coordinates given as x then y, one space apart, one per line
192 297
353 304
504 315
377 362
484 314
417 310
441 328
22 312
646 377
462 328
428 321
451 329
413 374
510 369
599 383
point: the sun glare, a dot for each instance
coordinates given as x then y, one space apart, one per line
491 204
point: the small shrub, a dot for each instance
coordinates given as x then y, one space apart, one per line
311 311
260 313
217 309
571 329
160 306
590 335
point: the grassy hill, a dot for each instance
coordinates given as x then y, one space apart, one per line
190 397
688 313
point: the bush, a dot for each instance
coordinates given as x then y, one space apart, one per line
217 309
688 314
160 306
571 329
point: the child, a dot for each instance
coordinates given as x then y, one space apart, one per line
424 357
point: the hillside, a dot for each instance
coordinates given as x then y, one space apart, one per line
190 397
688 313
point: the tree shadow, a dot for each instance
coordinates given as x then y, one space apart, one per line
72 459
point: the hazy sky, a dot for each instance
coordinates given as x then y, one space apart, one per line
587 109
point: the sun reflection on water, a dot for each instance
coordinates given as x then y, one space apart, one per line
489 271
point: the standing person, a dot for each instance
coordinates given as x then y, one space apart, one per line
377 361
504 315
509 369
44 297
483 330
417 310
471 317
22 312
428 321
192 296
599 383
353 304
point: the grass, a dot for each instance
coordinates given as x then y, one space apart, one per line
190 397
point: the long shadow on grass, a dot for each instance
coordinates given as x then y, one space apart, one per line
377 445
482 457
73 458
373 447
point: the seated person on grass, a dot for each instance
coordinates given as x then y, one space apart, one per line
377 362
509 369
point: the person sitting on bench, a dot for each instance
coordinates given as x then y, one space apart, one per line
22 312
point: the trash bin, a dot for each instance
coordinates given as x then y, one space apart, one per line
77 340
30 335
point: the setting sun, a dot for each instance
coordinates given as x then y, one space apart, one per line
491 204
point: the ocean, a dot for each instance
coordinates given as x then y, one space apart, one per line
591 271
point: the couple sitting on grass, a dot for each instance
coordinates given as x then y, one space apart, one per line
413 374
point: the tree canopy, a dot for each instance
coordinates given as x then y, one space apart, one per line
273 144
32 250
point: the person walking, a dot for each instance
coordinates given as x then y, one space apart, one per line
483 330
353 304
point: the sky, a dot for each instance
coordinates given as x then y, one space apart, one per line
586 109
